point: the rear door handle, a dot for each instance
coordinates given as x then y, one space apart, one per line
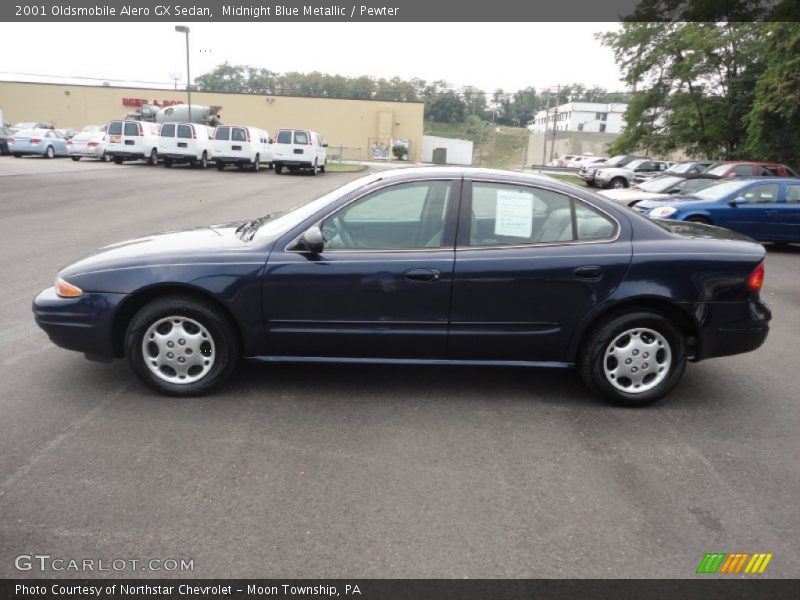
423 274
589 272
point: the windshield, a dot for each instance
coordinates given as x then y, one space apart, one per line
720 169
716 192
660 184
296 215
615 160
635 163
681 167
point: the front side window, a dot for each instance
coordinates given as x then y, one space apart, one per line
509 215
762 194
404 216
168 130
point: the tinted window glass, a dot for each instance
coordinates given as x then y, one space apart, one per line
762 194
793 193
591 224
504 214
184 131
284 137
410 215
168 130
768 171
132 129
115 128
743 170
222 133
301 137
238 134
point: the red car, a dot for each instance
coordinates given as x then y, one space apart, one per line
750 169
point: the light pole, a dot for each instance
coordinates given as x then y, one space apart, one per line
185 29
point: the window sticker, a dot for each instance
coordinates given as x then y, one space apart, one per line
514 214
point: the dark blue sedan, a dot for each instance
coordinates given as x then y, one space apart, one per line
765 209
426 266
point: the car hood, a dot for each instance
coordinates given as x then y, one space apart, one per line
625 195
198 244
667 200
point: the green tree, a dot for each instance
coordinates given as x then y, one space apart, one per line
446 107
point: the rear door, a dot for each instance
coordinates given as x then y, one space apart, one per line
166 139
185 141
114 136
789 213
131 137
221 141
530 264
302 146
239 145
282 148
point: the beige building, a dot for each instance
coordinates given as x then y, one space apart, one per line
362 127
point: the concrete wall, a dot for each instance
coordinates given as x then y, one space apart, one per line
568 142
459 152
349 123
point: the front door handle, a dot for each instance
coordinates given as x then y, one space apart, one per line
589 272
423 274
770 212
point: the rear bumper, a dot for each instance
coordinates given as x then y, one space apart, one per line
304 164
126 155
176 156
87 153
233 160
27 151
728 328
82 324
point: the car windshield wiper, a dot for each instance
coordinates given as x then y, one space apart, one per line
248 229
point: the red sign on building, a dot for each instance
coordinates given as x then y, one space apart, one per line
141 101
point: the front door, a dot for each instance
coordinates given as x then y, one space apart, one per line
381 286
530 264
756 211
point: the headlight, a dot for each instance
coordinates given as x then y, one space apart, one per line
662 212
67 290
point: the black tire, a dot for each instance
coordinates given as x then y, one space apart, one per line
220 166
204 160
618 183
106 157
153 160
18 156
50 152
168 163
75 158
592 357
117 160
322 169
257 164
219 326
314 168
278 168
698 219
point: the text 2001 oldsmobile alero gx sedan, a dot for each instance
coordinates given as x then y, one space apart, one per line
433 266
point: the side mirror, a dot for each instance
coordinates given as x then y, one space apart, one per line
312 240
737 201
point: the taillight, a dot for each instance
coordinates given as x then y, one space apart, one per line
69 142
756 280
194 133
246 135
36 141
92 144
10 140
141 130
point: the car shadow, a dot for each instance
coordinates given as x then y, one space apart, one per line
783 248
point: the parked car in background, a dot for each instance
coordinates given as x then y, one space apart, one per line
242 146
751 169
91 128
587 172
626 300
5 133
299 149
68 134
686 167
766 209
43 142
621 177
132 140
185 143
88 144
33 125
562 162
577 161
660 187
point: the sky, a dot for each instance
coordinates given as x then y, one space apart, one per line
510 56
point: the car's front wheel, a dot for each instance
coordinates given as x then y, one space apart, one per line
181 345
618 183
633 358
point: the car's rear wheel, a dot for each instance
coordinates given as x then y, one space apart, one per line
314 168
204 161
168 162
50 152
106 157
633 358
220 166
257 163
618 183
278 168
117 160
153 160
181 345
76 158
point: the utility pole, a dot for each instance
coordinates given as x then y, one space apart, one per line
185 30
546 119
555 122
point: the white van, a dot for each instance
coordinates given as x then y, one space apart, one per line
299 149
132 140
185 143
241 146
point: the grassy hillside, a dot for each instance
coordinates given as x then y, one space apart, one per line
500 147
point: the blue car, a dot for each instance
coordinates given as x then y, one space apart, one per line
437 266
44 142
766 209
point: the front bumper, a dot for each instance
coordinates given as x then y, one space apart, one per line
82 324
728 328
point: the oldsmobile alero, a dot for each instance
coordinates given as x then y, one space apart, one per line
443 265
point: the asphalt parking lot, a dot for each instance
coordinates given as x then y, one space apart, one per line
351 471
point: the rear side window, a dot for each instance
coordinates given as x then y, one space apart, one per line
222 133
132 129
301 137
768 171
185 131
793 193
284 137
238 135
743 170
168 130
115 128
507 215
